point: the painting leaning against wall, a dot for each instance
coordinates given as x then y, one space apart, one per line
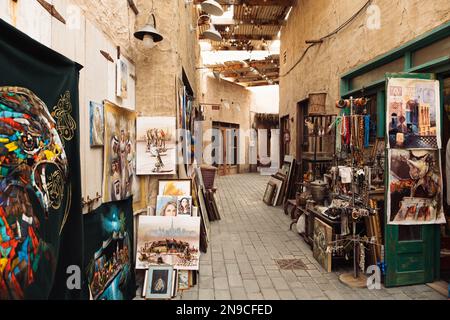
119 179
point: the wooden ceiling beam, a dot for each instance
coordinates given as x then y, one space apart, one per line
244 22
276 3
240 37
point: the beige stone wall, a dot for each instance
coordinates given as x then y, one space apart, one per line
320 70
213 91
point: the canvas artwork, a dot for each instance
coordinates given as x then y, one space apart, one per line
119 179
413 117
122 79
183 279
169 240
268 194
156 145
108 242
175 187
415 187
166 206
184 206
40 211
159 282
96 120
323 235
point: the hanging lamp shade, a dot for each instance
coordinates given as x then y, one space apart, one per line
149 30
212 7
212 34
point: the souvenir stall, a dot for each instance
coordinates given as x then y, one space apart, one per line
372 183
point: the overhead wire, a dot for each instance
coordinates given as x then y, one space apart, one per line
342 26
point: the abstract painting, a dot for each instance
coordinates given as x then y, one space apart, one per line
96 120
169 240
413 116
180 187
323 235
40 210
183 279
415 187
108 244
119 179
156 145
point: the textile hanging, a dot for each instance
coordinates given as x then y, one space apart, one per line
40 209
108 251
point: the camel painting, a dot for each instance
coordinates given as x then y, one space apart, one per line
156 145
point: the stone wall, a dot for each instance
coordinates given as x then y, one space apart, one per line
322 66
222 92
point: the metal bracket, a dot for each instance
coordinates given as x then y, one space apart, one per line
133 7
107 56
52 10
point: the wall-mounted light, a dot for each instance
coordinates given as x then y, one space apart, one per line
210 34
211 7
148 34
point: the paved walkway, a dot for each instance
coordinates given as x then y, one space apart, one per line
240 260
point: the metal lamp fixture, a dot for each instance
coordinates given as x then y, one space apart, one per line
212 7
212 34
148 34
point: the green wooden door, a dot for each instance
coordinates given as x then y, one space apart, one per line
411 252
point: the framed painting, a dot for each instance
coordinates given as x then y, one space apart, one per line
168 240
183 280
122 79
184 206
119 178
97 125
166 206
204 212
171 187
323 235
268 194
159 282
156 145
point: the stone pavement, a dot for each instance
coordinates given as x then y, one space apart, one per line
240 260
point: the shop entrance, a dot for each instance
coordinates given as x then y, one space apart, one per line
411 255
228 145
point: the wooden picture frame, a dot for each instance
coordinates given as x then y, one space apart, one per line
279 182
175 187
323 236
269 193
159 282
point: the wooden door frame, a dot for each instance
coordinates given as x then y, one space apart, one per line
300 126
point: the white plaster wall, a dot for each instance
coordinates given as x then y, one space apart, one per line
79 40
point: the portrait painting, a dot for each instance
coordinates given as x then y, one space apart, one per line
96 120
170 240
180 187
415 187
166 206
184 205
156 145
119 176
413 117
159 283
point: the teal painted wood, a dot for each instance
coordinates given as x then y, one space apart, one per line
381 113
433 64
424 40
408 61
410 262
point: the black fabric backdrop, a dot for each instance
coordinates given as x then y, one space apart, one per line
52 77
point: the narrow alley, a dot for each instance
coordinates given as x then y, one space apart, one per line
250 238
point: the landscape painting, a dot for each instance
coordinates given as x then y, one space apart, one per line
170 240
156 145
